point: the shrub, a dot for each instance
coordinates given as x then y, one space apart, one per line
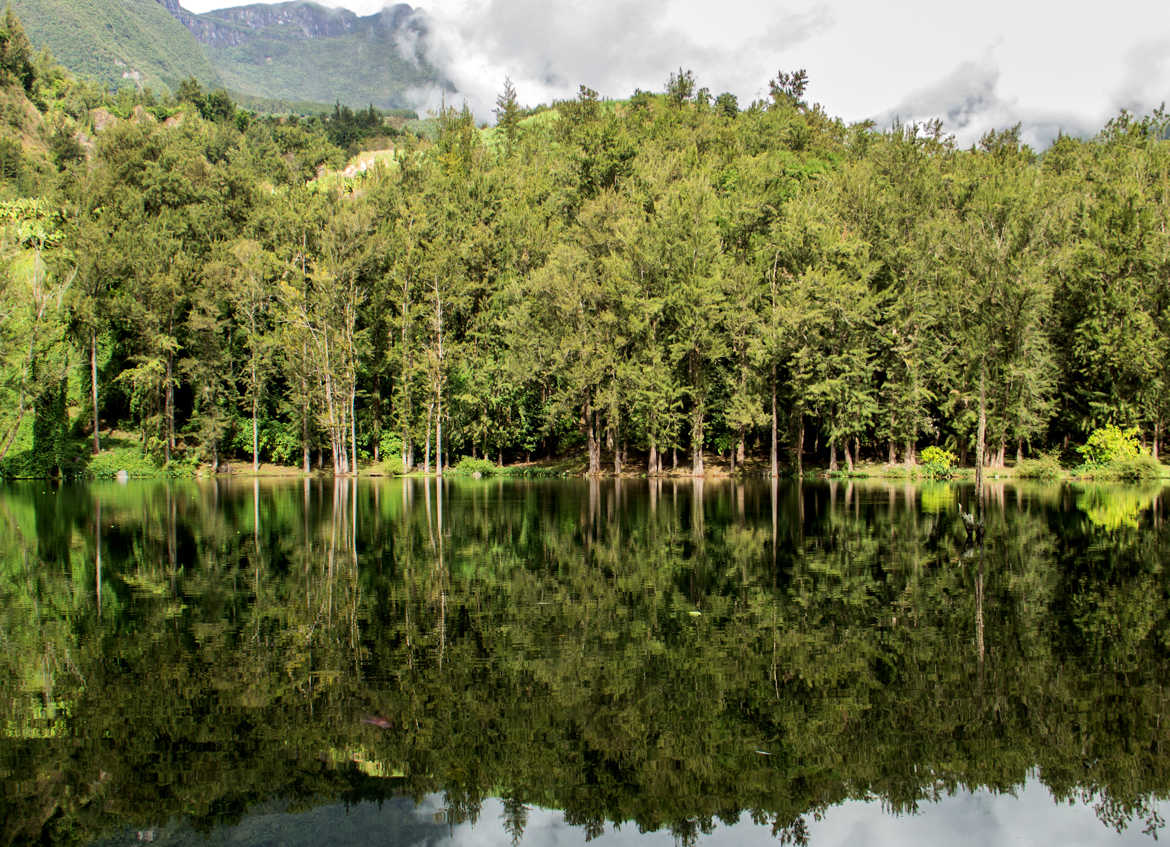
1110 444
106 464
469 466
937 462
1044 466
1143 466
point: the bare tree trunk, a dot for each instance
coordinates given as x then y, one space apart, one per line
353 423
427 440
170 407
255 425
652 459
832 455
697 441
591 438
775 454
981 444
799 445
848 456
93 381
439 432
306 460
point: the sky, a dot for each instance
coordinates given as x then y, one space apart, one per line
1051 66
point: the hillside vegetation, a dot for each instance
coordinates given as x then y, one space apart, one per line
355 68
297 57
134 43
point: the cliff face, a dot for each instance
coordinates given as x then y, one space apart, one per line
294 21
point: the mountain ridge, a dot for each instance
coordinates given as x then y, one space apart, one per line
291 51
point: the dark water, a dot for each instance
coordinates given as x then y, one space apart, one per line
553 662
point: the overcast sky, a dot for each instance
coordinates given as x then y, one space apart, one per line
1050 65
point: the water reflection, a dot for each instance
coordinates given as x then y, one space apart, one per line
663 655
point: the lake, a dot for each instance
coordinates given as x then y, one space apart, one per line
552 662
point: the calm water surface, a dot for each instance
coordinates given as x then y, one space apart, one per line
481 662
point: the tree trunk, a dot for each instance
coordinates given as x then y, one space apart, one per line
306 460
697 441
1001 453
892 455
910 457
93 379
652 459
800 445
170 407
832 455
353 424
775 456
427 441
255 425
439 433
741 448
591 438
1019 451
981 443
617 453
1157 437
848 456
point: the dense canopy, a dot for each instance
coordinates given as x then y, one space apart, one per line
642 283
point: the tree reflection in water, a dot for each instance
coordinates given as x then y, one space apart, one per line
664 653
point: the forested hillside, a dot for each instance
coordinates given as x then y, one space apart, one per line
302 51
637 283
293 55
131 43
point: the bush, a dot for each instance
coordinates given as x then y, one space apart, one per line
1044 466
106 464
937 462
1131 469
1110 444
469 466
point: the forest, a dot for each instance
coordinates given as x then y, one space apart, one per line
646 285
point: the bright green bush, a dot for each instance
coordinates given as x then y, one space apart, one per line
1110 444
937 462
106 464
469 466
1044 466
1143 466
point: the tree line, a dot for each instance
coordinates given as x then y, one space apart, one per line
645 283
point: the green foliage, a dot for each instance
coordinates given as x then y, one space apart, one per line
132 43
468 466
360 67
108 463
1110 444
1046 466
1133 468
937 462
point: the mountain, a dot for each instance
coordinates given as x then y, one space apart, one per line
300 50
119 42
291 52
296 51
